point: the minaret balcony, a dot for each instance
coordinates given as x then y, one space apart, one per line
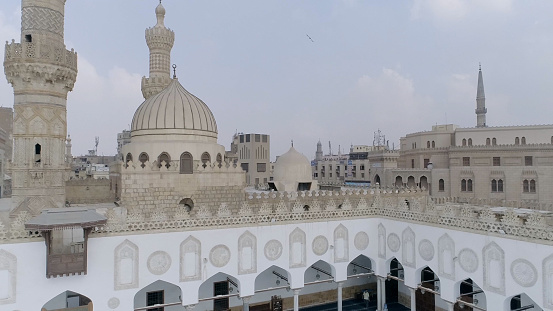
481 110
40 52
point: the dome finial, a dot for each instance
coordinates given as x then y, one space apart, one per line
160 13
174 71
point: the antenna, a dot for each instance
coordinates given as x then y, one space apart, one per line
96 142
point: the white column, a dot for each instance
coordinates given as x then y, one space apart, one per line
383 280
340 295
296 299
246 303
450 306
413 299
378 295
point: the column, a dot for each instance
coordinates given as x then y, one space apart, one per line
246 303
450 306
378 295
296 299
413 299
383 291
340 295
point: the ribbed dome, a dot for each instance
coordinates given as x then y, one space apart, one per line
174 111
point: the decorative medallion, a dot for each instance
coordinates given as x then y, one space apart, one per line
113 303
426 250
273 250
361 241
320 245
524 272
159 262
468 260
393 242
219 255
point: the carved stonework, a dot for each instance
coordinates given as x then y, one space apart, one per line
494 268
247 253
408 249
8 263
524 272
219 256
297 248
126 266
190 259
37 18
320 245
361 241
113 303
426 250
468 260
273 250
394 242
362 204
341 244
446 254
547 277
159 262
381 241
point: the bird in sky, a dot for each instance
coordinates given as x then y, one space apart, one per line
309 38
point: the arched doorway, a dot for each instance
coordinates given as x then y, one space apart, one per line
427 290
523 302
274 281
395 279
471 297
67 300
219 292
361 272
160 293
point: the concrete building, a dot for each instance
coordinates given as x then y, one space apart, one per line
253 153
185 234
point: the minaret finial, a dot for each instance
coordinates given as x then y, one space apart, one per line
174 71
479 64
292 143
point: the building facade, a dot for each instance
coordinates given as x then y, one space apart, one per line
253 153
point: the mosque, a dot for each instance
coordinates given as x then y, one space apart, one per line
186 235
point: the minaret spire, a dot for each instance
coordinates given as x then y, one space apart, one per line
480 101
160 40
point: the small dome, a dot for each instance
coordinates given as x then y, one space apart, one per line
174 111
292 167
160 10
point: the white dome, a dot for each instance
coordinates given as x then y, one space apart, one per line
292 167
174 111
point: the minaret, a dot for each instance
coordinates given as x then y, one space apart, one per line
480 101
41 71
160 41
319 153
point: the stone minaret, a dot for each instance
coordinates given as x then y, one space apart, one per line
319 153
160 41
42 72
480 101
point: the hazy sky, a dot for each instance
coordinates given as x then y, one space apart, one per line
397 66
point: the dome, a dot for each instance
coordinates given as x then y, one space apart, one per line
292 167
174 111
160 10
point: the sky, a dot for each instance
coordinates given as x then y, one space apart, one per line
395 66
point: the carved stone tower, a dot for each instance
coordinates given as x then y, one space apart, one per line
480 101
160 41
319 153
42 72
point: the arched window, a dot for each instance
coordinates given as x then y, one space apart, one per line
433 144
532 186
428 144
470 141
523 140
219 160
164 157
441 185
186 163
488 141
494 141
464 141
463 185
129 158
143 158
377 179
517 141
187 204
494 185
38 150
500 185
206 158
525 186
469 185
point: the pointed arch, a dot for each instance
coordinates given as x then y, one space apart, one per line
360 265
190 259
186 163
8 268
381 241
297 248
247 253
408 250
158 292
446 254
274 276
341 244
126 265
494 268
67 301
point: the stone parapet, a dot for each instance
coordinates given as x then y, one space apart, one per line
40 52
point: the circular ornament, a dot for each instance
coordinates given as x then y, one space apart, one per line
219 255
426 250
113 303
524 272
468 260
273 250
320 245
361 241
159 262
393 242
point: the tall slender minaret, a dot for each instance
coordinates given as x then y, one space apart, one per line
42 72
480 101
319 153
160 41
